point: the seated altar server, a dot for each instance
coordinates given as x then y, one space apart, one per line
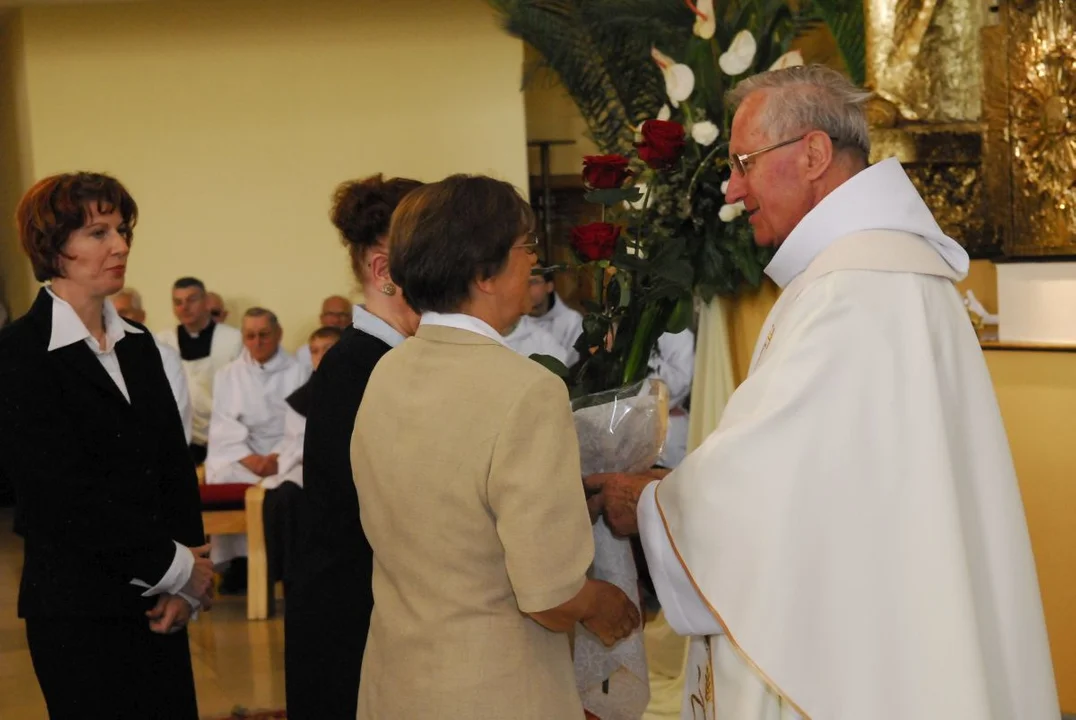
552 314
336 312
527 337
128 303
248 414
850 542
205 347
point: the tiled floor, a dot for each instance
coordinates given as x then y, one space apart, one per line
236 662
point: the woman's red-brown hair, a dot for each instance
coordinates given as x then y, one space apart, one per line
60 204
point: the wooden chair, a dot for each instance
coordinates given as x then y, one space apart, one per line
236 509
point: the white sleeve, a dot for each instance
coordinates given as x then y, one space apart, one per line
227 435
685 611
674 362
303 356
175 578
177 379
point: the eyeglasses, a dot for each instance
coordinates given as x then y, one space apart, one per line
740 162
531 245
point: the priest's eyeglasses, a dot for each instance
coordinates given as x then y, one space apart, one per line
740 163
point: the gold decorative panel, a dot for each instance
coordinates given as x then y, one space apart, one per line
1041 122
924 63
923 57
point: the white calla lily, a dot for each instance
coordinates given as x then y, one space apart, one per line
705 133
638 204
705 20
792 58
738 58
664 113
724 187
728 213
679 79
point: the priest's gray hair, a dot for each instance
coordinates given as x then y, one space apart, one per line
257 312
810 97
136 298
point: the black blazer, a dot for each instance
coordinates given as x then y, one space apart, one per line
102 486
331 594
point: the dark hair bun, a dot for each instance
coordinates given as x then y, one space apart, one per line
362 208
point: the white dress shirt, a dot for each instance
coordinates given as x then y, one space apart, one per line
68 329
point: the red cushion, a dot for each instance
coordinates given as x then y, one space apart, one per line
223 497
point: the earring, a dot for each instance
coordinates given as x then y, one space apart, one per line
388 289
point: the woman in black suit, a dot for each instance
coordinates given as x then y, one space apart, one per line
330 598
107 497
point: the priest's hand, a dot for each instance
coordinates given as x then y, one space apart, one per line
620 497
612 616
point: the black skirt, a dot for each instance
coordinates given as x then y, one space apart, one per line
111 667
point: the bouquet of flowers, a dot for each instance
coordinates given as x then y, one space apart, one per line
650 77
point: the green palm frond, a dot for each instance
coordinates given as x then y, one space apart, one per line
845 20
604 72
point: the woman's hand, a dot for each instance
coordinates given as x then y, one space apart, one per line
612 615
171 613
200 584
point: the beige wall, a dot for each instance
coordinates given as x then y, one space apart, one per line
552 115
16 281
232 122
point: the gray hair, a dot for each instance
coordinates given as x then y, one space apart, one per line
257 312
136 298
809 97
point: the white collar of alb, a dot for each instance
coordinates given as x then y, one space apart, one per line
881 197
68 329
462 321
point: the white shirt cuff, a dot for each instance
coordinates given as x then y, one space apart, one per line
179 572
685 611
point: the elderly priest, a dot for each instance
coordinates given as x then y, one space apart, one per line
850 542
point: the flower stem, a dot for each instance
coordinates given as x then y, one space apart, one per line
698 170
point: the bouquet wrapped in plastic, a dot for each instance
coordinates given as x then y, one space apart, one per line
621 430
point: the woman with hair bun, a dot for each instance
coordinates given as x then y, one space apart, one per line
330 598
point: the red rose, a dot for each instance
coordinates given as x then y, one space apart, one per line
605 172
663 141
595 241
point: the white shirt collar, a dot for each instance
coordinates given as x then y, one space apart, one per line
364 320
462 321
880 197
68 329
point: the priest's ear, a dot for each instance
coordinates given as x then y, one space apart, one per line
819 154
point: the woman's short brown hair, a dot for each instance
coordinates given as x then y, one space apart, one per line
448 234
58 205
362 209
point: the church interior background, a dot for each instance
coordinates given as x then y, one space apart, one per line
233 121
